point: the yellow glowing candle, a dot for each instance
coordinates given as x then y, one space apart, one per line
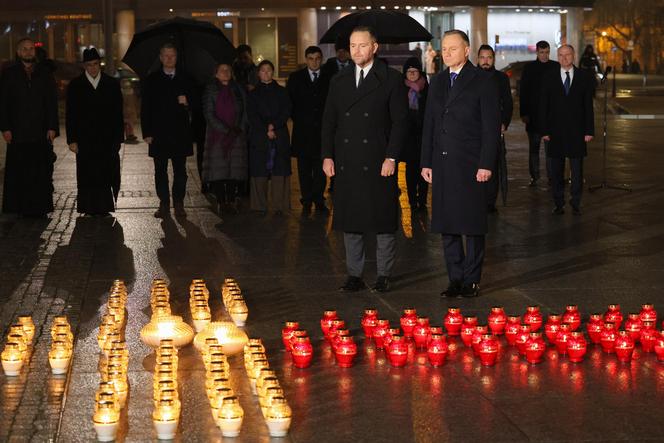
229 417
28 326
12 359
105 420
278 417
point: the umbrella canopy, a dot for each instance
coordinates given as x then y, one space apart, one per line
200 45
390 27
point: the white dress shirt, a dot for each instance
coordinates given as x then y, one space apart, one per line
311 74
366 70
571 75
94 81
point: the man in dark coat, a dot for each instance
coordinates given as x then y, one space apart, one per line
530 92
29 123
244 69
459 149
364 128
95 129
486 59
569 123
307 88
333 65
168 95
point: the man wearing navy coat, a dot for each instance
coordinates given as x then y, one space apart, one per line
459 148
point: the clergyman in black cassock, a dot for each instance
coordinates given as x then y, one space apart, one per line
95 131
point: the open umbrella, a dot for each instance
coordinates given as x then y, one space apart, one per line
201 45
390 27
502 169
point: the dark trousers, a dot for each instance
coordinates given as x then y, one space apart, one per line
312 180
179 179
534 141
386 248
464 266
558 181
417 187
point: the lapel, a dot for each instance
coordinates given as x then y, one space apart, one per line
371 82
464 78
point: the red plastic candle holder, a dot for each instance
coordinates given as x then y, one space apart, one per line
437 350
576 347
551 327
476 338
379 332
522 337
345 351
624 346
497 320
408 321
453 321
562 338
659 346
398 351
368 321
512 329
572 317
339 334
287 333
533 318
421 332
648 336
326 321
648 313
467 330
302 352
608 338
535 347
488 349
613 315
633 326
595 327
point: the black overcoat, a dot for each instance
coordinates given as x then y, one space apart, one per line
530 91
361 128
94 121
163 118
413 145
308 99
461 135
269 104
567 118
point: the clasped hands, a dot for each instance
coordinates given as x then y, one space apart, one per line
483 175
387 169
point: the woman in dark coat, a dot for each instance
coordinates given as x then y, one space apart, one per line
269 108
418 88
225 167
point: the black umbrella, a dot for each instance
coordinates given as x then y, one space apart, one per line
200 45
502 170
390 27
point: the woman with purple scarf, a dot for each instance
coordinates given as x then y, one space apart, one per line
225 164
417 85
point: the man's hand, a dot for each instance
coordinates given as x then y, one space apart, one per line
148 140
502 128
328 167
50 135
182 99
588 138
388 168
427 175
7 135
73 147
483 175
546 138
525 119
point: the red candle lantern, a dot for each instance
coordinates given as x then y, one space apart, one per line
434 330
379 332
326 321
387 338
608 338
453 321
287 333
336 325
576 347
339 334
345 351
659 346
535 347
476 338
613 315
368 322
633 326
408 321
595 326
562 338
572 317
512 329
533 318
551 327
302 352
522 337
497 320
398 351
437 350
648 336
648 313
421 332
624 346
467 330
296 333
488 349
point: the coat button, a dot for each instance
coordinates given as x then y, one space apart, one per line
444 152
444 131
342 168
446 110
365 168
347 114
365 141
366 114
345 140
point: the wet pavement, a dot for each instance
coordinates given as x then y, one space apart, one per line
289 268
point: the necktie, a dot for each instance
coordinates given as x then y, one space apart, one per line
315 74
453 76
568 83
359 83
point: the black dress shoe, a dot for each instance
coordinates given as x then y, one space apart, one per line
453 290
382 284
558 210
352 284
471 290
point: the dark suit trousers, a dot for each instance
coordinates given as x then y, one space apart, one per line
534 141
464 266
312 179
179 178
558 180
386 248
417 187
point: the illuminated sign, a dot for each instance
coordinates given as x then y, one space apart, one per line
216 14
68 17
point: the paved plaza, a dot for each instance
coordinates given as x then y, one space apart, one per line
289 267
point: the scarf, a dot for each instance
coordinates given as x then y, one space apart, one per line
414 92
225 112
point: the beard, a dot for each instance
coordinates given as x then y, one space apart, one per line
486 67
28 60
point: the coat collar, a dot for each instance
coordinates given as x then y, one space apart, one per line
372 81
466 74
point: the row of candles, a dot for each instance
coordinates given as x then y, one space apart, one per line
16 350
167 405
562 331
234 302
111 395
